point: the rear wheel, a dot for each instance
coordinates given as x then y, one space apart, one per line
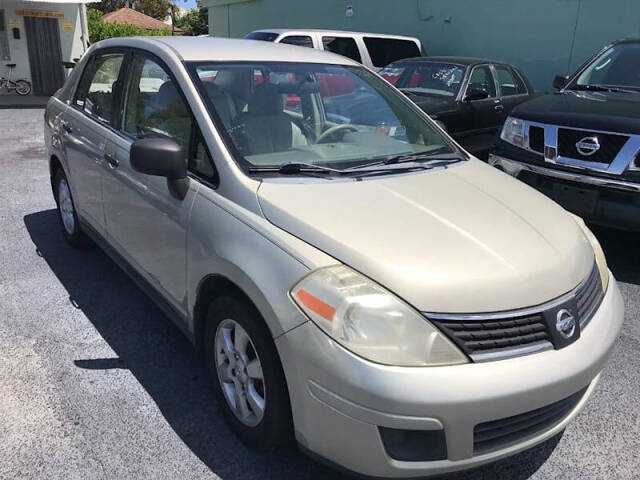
67 212
247 375
22 87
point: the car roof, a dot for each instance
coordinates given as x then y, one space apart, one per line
225 49
280 31
463 61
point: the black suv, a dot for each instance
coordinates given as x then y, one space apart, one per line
581 145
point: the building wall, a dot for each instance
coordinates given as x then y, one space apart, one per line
70 40
542 37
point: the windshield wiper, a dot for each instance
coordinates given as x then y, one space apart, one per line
408 158
602 88
295 168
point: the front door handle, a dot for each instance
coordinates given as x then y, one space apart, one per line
66 127
498 108
111 160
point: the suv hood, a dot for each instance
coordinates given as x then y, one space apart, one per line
466 239
611 111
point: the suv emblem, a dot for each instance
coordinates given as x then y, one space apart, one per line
588 146
565 323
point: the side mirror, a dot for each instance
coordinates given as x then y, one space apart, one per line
559 81
476 94
163 158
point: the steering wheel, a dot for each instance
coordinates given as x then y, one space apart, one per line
333 130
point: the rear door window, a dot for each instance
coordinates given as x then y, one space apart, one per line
345 46
384 51
299 40
510 83
99 89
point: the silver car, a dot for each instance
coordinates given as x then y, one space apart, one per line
352 277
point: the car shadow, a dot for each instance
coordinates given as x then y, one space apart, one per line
165 364
622 250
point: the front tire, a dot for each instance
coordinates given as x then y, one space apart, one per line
246 373
67 212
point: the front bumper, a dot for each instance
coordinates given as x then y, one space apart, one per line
339 399
601 200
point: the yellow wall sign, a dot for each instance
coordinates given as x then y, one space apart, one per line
67 25
39 13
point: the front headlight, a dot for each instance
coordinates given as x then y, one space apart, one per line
371 322
513 131
601 261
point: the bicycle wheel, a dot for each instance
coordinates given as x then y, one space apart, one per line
22 87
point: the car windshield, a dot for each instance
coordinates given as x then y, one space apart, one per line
618 66
326 115
428 78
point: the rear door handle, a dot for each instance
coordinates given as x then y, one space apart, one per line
499 108
111 160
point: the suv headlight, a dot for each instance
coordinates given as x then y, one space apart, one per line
513 131
371 322
601 261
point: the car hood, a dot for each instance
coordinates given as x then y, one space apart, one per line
612 111
458 240
432 104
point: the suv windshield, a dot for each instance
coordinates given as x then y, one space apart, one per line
429 78
617 67
326 115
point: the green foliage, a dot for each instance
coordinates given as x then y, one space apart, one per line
99 30
194 22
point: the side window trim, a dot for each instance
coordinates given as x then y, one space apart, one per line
195 127
81 85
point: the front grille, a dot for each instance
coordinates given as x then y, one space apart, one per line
610 145
479 338
498 434
500 335
536 139
589 295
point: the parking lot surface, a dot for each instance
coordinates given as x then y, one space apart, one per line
96 383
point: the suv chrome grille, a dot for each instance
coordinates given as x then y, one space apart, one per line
500 335
536 139
610 145
498 434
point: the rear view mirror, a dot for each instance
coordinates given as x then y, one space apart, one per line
559 81
476 94
163 158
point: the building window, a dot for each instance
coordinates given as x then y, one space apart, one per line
4 38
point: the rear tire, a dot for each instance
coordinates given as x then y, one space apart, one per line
257 374
67 212
22 87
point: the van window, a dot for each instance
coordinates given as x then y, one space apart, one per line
299 40
264 36
345 46
383 51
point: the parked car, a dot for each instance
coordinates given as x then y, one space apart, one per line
580 146
469 97
375 50
399 307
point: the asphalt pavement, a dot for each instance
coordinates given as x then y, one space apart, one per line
96 383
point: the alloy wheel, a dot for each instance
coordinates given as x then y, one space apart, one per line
66 207
240 372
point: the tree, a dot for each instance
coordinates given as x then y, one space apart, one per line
194 22
154 8
99 30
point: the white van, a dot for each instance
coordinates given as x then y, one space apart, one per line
373 50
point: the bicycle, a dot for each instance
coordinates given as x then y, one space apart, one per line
21 87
